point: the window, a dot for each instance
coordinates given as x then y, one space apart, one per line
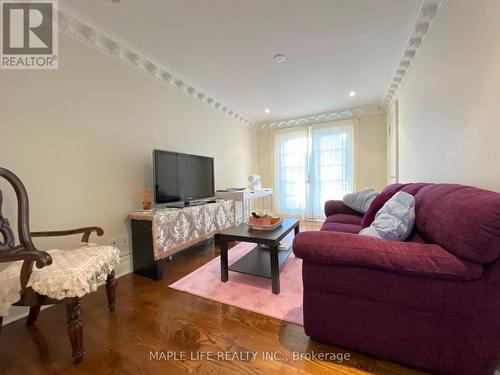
291 172
313 165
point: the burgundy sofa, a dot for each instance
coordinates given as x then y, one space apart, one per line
431 302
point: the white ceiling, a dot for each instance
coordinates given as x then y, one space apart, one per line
226 47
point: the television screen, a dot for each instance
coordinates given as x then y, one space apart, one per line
182 177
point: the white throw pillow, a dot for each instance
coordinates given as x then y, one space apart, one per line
395 220
360 200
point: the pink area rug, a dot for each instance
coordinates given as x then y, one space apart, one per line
249 292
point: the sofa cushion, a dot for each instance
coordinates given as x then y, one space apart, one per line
395 220
414 188
463 220
443 297
408 258
341 227
415 237
360 200
338 207
344 219
378 203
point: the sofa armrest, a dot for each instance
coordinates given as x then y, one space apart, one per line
338 207
410 258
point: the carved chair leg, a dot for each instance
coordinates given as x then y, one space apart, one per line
75 328
33 315
111 290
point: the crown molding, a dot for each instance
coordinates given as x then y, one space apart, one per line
95 36
421 26
77 27
343 114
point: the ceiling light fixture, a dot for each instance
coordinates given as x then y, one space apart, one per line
352 93
267 110
279 58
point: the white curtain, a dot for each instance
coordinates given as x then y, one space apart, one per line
331 166
313 165
291 168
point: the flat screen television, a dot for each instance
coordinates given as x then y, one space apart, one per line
182 177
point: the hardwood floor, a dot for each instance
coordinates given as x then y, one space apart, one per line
150 317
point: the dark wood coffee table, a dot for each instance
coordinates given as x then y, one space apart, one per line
265 259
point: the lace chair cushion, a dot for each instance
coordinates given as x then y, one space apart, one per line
73 273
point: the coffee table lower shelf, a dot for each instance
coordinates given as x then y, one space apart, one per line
257 261
260 261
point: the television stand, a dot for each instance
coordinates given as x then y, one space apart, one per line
189 203
176 205
160 233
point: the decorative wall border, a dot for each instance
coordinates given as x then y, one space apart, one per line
95 36
420 29
323 117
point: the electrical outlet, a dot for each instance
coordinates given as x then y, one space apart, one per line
124 242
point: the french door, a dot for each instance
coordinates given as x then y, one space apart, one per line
313 165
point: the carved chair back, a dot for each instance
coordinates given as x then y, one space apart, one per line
25 251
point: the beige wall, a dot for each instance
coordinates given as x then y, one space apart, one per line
265 157
372 152
371 159
449 101
81 138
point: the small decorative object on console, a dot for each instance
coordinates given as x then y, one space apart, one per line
146 195
254 182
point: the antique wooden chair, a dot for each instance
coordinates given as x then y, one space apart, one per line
59 277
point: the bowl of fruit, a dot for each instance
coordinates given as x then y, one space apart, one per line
264 221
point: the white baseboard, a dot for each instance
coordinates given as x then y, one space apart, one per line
126 266
19 312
